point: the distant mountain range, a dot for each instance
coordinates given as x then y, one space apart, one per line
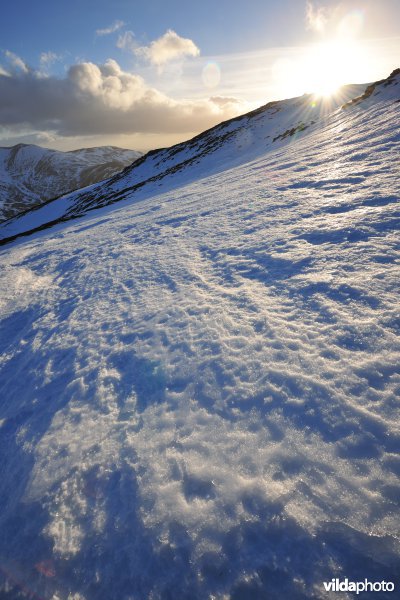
31 175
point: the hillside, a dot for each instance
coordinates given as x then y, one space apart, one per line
199 384
31 175
225 146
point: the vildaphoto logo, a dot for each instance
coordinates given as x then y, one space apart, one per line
336 585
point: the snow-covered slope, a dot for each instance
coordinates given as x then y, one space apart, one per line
227 145
199 390
30 175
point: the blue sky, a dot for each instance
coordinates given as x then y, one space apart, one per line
217 27
168 59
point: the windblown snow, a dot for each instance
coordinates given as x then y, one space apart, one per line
199 386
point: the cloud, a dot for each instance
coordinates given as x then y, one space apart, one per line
10 137
48 58
16 61
102 99
224 100
111 29
316 17
169 46
126 41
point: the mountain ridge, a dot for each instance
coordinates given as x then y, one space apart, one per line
249 136
31 175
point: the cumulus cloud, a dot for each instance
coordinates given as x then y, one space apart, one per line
316 17
169 46
102 99
16 61
111 29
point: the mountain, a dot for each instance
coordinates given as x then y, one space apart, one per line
199 383
227 145
31 175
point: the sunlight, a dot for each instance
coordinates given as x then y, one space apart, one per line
322 68
329 65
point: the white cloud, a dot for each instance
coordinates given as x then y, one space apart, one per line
169 46
103 100
111 29
16 61
316 17
126 41
114 88
48 58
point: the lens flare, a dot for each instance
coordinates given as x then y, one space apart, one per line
211 75
351 25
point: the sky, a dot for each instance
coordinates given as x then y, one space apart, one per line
149 74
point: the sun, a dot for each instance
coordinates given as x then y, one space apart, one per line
327 66
323 68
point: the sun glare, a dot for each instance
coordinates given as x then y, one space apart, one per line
328 66
323 68
331 64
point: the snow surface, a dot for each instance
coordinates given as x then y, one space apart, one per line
229 144
199 389
31 175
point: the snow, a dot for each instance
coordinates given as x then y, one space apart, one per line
199 386
30 175
227 145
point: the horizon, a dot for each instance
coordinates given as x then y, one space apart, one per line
328 100
79 77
